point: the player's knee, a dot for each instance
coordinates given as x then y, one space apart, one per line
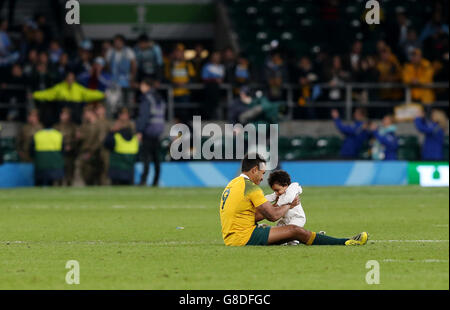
295 230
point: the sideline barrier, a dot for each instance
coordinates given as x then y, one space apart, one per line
308 173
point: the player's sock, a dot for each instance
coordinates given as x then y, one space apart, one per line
318 239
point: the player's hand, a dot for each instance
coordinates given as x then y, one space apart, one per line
374 127
295 202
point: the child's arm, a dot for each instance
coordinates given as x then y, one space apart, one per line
271 197
291 193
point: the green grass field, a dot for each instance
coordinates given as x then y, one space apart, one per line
127 238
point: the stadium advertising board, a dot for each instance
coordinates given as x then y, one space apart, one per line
428 174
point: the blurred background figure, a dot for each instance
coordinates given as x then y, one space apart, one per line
97 78
150 126
121 60
47 151
180 72
65 94
385 143
104 125
123 146
417 72
149 59
240 104
213 75
275 73
355 134
69 130
89 137
26 134
434 131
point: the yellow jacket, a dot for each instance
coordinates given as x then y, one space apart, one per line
180 72
423 74
62 92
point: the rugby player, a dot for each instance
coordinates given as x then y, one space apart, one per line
243 205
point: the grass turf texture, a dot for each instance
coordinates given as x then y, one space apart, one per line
127 238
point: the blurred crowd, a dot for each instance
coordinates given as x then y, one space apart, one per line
38 60
98 105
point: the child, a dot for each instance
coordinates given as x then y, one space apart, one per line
285 192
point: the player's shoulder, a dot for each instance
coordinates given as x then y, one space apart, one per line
250 187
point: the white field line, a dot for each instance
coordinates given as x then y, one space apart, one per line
100 242
46 207
389 260
408 241
93 242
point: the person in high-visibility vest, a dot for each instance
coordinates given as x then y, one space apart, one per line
124 146
47 148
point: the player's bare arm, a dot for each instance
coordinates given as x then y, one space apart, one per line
272 212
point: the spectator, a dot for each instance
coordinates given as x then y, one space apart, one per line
55 51
419 72
122 63
39 41
355 135
435 25
106 46
385 145
82 61
27 37
198 61
180 72
41 78
240 105
5 41
275 73
97 78
7 56
150 126
242 74
68 129
149 59
61 68
47 149
15 94
229 64
123 145
335 77
389 71
44 27
213 74
408 45
434 134
305 77
352 61
26 134
31 63
260 111
397 32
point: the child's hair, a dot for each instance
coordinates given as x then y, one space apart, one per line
279 177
